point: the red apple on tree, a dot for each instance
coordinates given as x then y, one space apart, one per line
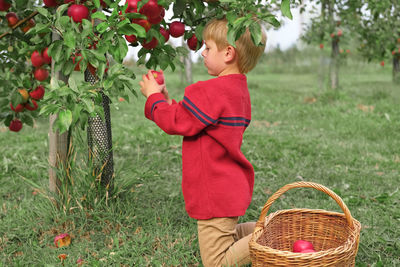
132 6
143 22
37 59
321 46
164 33
4 5
77 58
176 29
382 63
301 245
78 12
50 3
131 38
28 25
18 108
192 43
15 125
45 56
150 9
150 45
31 108
12 19
41 74
38 93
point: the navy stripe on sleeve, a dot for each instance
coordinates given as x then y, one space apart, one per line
228 121
154 105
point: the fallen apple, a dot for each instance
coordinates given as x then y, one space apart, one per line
62 240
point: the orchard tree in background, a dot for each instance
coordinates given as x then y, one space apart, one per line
332 24
46 46
379 32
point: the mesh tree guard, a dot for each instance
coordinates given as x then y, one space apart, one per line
100 140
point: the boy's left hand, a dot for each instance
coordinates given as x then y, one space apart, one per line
149 85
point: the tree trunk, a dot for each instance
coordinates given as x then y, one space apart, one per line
187 62
396 69
334 65
58 143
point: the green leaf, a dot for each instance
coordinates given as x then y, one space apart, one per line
42 11
64 120
285 8
72 84
102 27
99 15
122 47
96 4
256 34
89 105
69 39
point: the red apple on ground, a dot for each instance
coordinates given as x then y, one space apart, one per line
176 29
78 12
32 107
37 59
45 56
38 93
18 108
164 33
192 43
12 19
300 245
158 76
4 5
50 3
62 240
15 125
41 74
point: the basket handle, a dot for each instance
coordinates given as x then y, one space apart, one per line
277 194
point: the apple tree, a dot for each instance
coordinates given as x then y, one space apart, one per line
379 32
332 24
49 47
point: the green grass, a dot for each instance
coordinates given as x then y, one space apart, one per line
347 140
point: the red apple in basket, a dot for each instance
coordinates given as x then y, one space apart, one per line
309 250
302 245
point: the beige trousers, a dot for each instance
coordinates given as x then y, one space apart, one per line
223 242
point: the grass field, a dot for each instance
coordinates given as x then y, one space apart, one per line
347 140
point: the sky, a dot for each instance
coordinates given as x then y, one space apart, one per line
284 37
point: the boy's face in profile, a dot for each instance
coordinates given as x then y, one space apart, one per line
213 59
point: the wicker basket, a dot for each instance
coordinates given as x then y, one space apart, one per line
335 236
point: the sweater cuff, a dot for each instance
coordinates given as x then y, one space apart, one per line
151 103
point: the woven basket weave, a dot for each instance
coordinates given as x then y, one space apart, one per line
335 236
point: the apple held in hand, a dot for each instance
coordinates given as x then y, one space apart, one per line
158 76
302 245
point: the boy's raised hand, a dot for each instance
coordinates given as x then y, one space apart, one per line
149 85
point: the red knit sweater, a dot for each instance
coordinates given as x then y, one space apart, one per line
217 180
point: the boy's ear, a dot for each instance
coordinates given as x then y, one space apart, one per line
230 53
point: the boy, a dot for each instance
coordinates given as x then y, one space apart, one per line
217 180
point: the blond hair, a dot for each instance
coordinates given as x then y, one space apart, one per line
248 53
